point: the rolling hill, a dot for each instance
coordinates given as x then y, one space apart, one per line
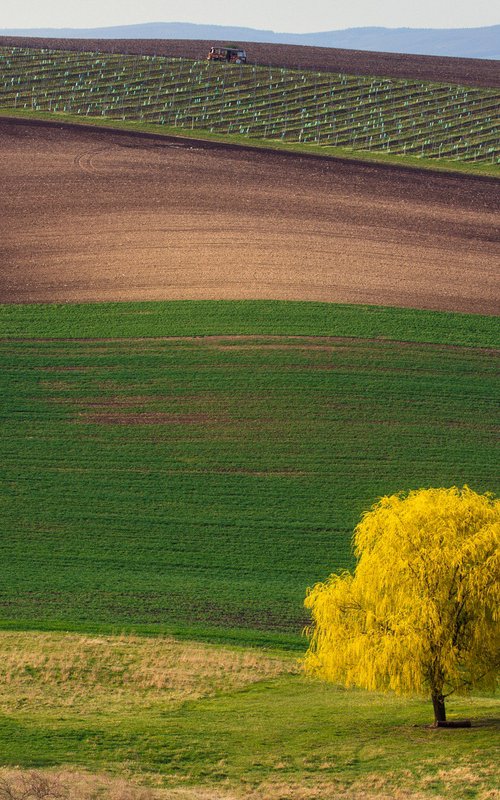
338 112
189 436
483 42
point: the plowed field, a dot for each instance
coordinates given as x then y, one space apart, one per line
90 215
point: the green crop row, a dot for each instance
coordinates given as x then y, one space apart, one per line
373 114
201 318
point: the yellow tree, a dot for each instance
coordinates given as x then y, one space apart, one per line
420 613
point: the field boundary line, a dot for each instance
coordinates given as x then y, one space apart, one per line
223 142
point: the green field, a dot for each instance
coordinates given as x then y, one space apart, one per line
215 723
270 317
160 480
189 468
377 116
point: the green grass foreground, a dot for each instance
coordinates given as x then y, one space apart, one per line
230 723
198 484
287 731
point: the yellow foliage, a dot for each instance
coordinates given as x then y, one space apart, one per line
421 612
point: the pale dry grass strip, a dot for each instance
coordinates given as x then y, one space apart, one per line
67 784
66 670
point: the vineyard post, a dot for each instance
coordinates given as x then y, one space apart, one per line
161 83
124 94
190 98
223 105
31 89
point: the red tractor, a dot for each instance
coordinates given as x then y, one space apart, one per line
231 55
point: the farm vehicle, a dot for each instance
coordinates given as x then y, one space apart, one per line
231 55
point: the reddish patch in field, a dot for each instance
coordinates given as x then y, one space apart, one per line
259 473
148 418
59 386
116 401
327 343
65 369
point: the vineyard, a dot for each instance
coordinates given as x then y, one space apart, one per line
396 116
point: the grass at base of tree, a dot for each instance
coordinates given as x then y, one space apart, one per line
199 719
365 156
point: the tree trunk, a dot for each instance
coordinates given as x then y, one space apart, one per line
439 709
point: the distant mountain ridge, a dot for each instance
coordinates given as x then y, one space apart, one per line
458 42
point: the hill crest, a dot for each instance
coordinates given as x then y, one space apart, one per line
438 69
482 42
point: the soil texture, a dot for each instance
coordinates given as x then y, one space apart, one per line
93 215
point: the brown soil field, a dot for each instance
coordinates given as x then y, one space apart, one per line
442 69
95 215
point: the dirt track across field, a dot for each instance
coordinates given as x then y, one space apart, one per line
442 69
89 215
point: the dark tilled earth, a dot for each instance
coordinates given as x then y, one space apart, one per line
91 215
442 69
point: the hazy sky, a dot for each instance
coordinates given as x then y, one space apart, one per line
289 16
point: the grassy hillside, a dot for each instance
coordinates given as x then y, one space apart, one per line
389 116
222 724
199 485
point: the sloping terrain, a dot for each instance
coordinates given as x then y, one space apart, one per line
167 720
93 215
164 472
205 482
366 115
466 71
